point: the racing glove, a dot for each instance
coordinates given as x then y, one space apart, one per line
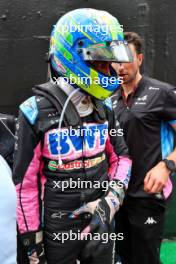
33 243
104 209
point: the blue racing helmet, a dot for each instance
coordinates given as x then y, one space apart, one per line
81 37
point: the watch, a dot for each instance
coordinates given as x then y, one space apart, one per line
170 164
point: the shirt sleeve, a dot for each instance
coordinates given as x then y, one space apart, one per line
169 105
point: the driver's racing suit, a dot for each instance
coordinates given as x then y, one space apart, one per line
44 198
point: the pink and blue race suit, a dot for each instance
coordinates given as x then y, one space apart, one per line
48 191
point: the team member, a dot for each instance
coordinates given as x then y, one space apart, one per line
48 155
146 110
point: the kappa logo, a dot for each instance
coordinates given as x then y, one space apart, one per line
150 221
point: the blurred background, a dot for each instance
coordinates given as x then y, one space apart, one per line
25 27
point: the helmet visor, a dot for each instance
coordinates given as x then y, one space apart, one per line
114 51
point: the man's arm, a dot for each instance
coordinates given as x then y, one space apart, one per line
158 176
25 175
27 161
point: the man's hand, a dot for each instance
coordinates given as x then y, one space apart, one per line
38 257
102 211
33 243
33 259
156 178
